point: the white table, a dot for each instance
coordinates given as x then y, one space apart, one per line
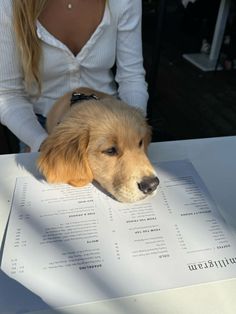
215 161
209 62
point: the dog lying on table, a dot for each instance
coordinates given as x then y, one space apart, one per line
94 136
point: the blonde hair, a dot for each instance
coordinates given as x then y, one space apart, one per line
25 15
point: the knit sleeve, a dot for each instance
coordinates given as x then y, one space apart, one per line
16 111
130 74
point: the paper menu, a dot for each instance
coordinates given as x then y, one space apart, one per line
72 246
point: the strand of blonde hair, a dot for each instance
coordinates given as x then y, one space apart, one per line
25 15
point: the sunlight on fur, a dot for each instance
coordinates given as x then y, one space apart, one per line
103 140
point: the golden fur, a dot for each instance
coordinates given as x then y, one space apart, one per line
103 140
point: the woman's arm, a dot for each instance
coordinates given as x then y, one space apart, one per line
130 72
16 111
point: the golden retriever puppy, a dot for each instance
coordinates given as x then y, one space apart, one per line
100 139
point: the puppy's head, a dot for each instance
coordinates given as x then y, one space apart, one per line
105 141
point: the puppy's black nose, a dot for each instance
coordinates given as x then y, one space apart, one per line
148 184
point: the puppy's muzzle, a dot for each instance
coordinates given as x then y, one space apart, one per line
148 185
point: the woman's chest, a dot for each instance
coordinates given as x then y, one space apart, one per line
97 55
73 25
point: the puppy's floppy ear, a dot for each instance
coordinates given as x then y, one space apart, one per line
63 156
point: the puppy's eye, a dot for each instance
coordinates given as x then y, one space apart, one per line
140 144
111 151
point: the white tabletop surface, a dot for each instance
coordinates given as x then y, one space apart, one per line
215 161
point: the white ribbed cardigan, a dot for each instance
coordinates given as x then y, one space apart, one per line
116 40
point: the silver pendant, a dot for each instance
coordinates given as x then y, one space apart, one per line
69 6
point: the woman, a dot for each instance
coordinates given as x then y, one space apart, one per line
50 47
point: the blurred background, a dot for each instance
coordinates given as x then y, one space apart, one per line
186 101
